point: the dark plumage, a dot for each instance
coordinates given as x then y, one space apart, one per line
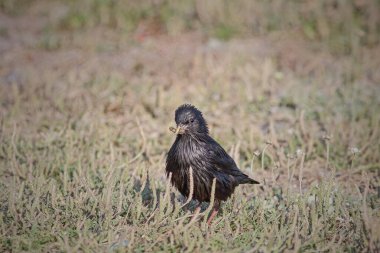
193 147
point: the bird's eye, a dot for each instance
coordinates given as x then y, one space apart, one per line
189 121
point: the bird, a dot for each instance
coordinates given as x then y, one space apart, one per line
195 157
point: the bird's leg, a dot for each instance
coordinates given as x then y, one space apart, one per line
196 212
214 212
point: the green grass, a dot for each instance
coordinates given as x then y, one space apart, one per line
84 134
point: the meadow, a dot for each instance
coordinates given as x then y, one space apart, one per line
88 92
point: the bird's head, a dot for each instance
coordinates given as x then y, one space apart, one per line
189 120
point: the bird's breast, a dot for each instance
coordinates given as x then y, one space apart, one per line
189 153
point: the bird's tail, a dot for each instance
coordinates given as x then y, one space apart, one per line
248 180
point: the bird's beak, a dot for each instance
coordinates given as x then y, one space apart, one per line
179 130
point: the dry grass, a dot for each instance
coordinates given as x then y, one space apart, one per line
84 133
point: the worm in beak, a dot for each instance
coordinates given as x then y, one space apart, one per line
179 130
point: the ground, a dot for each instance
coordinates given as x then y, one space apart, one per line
85 119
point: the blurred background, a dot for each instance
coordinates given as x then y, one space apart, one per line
290 88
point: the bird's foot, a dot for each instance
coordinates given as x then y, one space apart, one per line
196 213
213 214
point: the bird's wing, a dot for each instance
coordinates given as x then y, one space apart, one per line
222 161
224 167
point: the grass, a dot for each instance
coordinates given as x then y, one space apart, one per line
338 24
84 134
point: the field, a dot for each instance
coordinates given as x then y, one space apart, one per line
88 93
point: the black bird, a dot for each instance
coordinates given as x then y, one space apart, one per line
194 148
